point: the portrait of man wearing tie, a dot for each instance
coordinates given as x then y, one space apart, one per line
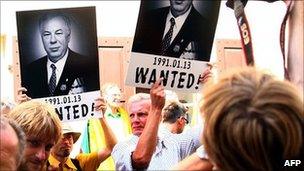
177 30
61 71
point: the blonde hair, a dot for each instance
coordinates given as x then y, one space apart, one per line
37 119
252 121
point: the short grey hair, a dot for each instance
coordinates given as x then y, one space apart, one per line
20 135
138 97
50 15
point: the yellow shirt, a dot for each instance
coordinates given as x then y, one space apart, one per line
96 135
86 161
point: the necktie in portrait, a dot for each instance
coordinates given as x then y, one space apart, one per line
167 39
52 82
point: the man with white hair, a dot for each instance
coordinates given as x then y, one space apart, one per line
62 71
145 149
12 144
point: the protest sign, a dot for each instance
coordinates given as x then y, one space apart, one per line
74 107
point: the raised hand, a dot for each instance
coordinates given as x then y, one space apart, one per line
157 94
206 75
100 105
21 96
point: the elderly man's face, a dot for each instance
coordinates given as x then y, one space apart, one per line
55 37
138 112
180 7
65 145
8 149
36 153
113 96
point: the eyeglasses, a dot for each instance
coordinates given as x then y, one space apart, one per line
185 119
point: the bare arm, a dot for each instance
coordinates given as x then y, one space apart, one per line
148 139
109 136
110 140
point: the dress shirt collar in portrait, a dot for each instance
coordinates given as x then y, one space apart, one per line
179 21
59 66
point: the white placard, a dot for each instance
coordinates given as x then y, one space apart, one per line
74 107
179 74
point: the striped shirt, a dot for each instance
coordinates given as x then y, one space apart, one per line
170 149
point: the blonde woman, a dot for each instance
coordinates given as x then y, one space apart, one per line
252 122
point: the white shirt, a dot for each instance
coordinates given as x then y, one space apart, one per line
170 149
179 21
59 67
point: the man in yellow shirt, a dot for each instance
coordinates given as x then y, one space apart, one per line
116 117
60 160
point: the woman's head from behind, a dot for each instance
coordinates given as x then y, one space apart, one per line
253 121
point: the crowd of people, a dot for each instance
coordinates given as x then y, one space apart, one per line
252 121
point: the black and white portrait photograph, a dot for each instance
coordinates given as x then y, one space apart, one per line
58 51
176 28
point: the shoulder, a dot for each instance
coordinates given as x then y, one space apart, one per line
123 112
131 141
78 60
38 62
189 138
125 146
162 10
73 53
156 13
85 156
52 161
37 65
76 56
122 152
88 161
197 17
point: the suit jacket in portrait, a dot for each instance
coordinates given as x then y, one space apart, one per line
78 68
195 32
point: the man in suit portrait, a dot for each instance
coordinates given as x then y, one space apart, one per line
178 30
62 71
